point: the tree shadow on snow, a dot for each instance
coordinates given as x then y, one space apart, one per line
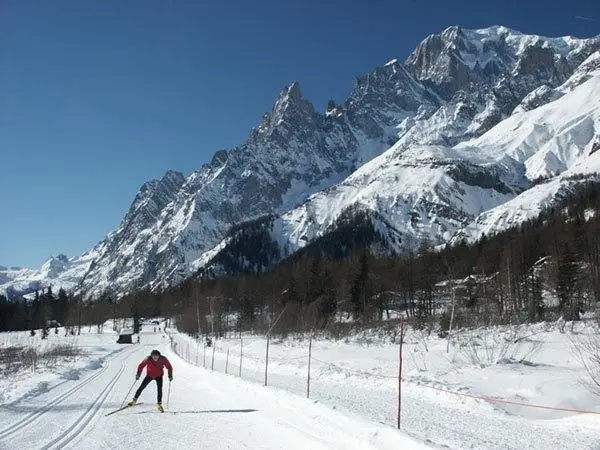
204 411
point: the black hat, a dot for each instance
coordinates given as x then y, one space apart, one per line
155 352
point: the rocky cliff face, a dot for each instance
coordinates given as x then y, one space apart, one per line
393 147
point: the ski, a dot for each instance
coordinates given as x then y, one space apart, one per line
121 409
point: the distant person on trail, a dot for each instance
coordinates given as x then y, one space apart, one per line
155 365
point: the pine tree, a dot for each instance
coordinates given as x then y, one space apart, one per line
535 304
136 322
425 284
567 281
328 305
247 313
291 292
360 291
315 284
62 304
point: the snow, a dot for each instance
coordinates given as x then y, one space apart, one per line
300 191
302 160
359 375
519 41
398 184
553 140
589 214
65 408
522 208
57 272
449 399
549 139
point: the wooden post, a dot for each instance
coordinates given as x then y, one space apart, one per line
400 370
267 358
309 358
241 350
451 316
198 315
212 366
204 356
269 338
227 361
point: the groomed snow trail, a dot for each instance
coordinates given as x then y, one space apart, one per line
430 415
206 411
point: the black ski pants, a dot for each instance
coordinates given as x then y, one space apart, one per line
145 382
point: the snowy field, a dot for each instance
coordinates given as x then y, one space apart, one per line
64 405
470 395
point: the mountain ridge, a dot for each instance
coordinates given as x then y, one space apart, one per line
454 87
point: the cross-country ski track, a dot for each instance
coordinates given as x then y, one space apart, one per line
206 411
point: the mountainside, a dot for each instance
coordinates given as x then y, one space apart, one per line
57 272
424 147
480 186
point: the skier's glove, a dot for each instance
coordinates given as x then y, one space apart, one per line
137 377
170 377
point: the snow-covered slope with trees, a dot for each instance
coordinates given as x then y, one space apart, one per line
429 146
480 186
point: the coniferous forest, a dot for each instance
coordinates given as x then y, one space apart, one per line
544 269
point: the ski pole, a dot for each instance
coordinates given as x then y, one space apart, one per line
169 394
127 396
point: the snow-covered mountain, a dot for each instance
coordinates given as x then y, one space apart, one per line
57 272
479 186
427 146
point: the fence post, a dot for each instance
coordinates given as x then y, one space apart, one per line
212 366
188 352
227 361
197 351
241 350
204 356
309 358
267 357
269 338
400 370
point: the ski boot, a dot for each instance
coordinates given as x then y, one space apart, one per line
160 408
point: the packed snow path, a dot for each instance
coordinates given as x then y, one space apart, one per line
360 379
205 411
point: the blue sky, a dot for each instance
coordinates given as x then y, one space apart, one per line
97 97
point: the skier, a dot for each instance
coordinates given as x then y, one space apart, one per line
155 365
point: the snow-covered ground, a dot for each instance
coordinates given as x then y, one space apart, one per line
449 399
64 407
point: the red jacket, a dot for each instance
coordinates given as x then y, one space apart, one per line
155 369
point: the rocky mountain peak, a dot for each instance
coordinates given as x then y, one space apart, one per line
396 137
152 197
290 111
457 59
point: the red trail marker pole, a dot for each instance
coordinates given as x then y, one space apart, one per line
400 370
309 358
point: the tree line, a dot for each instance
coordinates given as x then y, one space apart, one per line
46 311
546 268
